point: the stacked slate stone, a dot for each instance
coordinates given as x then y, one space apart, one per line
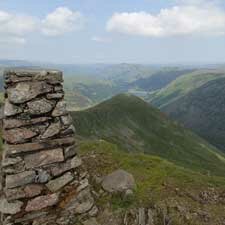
43 180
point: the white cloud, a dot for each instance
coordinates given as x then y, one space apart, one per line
12 40
183 19
61 21
101 39
14 27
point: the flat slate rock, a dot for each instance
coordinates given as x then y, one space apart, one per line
10 109
52 130
36 146
20 179
40 106
59 169
44 158
28 191
15 123
18 135
10 161
26 91
10 207
58 183
60 109
42 202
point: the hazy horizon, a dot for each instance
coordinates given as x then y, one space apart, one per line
96 31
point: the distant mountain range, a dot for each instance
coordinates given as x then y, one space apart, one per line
197 101
183 93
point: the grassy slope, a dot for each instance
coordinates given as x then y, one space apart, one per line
183 85
202 110
136 126
157 182
159 79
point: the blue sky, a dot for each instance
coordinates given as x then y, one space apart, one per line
113 31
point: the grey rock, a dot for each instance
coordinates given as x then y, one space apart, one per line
76 162
44 158
55 96
70 151
69 130
58 87
15 123
66 120
83 184
60 109
19 167
40 106
42 202
141 216
52 130
42 176
20 179
29 191
118 181
36 146
34 74
93 212
18 135
10 161
150 220
81 203
26 91
31 216
10 109
10 208
58 183
59 169
53 76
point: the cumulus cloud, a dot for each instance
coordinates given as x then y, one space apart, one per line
14 27
61 21
101 39
183 19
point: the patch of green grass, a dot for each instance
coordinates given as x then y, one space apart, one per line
156 178
184 85
135 126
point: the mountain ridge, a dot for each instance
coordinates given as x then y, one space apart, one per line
136 126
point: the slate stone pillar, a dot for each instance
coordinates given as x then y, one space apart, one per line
43 180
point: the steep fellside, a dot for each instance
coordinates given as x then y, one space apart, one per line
159 79
183 85
134 125
202 110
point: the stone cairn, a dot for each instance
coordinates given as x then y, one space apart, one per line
43 180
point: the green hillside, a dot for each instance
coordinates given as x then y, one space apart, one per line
135 126
202 110
161 185
183 85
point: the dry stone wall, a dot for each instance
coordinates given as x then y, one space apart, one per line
43 180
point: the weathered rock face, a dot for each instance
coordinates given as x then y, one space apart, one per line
43 180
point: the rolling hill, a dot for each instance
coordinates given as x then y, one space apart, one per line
202 110
159 79
136 126
183 85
